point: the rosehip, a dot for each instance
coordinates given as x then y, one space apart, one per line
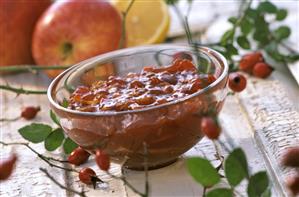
291 157
182 55
249 60
210 128
78 156
86 176
293 184
237 82
102 160
29 112
7 166
262 70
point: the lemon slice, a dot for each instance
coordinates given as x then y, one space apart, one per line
147 21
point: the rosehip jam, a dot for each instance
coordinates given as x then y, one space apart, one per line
153 86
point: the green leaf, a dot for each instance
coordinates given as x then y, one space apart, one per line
35 132
243 42
69 145
227 37
231 50
236 167
246 26
281 14
54 140
258 184
282 32
54 118
232 19
267 7
202 171
252 13
223 192
292 57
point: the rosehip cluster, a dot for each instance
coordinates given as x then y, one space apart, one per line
7 167
291 159
254 63
87 175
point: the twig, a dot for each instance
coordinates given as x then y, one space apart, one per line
122 178
204 192
146 194
9 119
82 193
30 68
44 158
123 31
21 90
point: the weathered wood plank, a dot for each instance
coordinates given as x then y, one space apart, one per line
275 122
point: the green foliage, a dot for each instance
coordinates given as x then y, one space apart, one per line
281 14
69 145
171 2
54 118
282 32
235 167
202 171
52 137
267 7
35 132
223 192
258 185
243 42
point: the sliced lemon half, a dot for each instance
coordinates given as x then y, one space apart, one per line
147 21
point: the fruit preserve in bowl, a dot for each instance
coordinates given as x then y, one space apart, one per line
140 104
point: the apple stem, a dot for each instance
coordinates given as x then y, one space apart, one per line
123 32
30 68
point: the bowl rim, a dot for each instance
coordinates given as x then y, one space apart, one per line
132 49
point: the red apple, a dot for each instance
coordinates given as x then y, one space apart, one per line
74 30
17 21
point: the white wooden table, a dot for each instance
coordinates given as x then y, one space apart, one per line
263 120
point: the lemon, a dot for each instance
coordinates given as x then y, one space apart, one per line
147 21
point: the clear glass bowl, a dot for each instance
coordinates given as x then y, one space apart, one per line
167 130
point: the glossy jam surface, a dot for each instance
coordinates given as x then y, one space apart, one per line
153 86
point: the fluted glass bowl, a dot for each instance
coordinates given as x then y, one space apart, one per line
159 133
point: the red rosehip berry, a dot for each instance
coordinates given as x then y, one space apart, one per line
78 156
30 112
262 70
182 56
210 128
249 60
293 184
237 82
87 176
7 167
291 157
102 160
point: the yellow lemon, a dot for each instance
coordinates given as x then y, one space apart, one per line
147 21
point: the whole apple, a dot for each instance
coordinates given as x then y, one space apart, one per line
74 30
17 21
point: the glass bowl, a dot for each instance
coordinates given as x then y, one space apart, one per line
157 134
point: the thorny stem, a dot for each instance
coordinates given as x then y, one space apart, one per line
123 31
82 193
30 68
44 158
22 90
